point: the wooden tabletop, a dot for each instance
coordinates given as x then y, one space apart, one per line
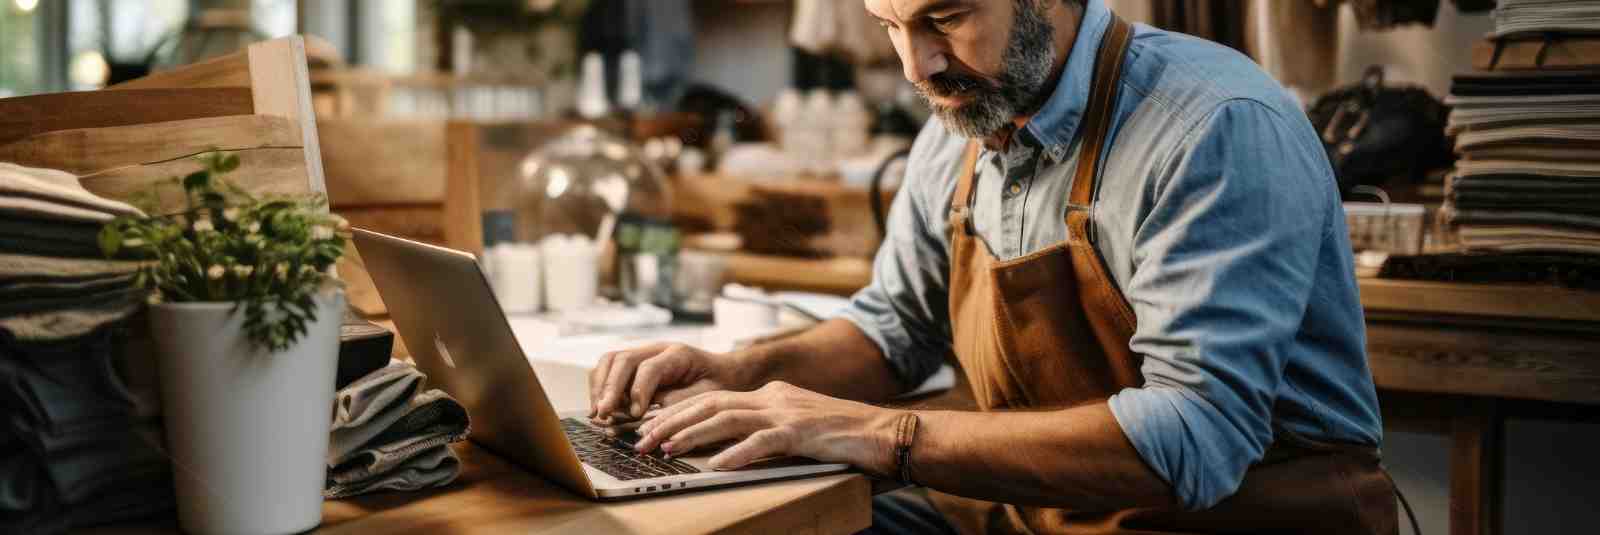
495 496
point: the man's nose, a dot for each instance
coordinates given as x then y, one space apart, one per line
922 59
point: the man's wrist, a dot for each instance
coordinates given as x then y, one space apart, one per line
749 368
884 431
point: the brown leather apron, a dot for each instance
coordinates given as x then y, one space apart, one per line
1051 330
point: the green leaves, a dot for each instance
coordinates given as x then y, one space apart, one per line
198 180
269 256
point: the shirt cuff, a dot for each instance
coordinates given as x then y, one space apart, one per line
1186 441
897 346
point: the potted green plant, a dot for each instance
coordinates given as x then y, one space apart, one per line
245 314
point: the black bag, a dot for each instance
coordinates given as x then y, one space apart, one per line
1375 133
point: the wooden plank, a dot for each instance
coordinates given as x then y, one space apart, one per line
274 72
839 275
232 70
281 86
359 290
261 171
21 117
1476 469
84 151
1485 362
424 222
375 163
1572 52
463 212
1502 300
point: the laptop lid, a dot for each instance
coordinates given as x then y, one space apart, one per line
457 334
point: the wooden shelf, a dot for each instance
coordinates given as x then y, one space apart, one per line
1520 302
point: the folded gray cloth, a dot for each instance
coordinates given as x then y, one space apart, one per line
31 268
46 298
390 434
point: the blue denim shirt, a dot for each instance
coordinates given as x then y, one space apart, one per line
1218 216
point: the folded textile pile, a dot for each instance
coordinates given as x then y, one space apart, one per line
1529 173
1524 16
389 433
76 446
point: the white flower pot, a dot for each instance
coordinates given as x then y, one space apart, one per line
247 428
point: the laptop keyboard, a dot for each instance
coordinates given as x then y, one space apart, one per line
616 456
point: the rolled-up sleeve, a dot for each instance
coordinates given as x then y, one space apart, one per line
905 309
1223 268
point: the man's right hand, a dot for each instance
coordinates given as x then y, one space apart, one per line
628 382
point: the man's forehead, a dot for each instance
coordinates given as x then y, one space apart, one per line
902 10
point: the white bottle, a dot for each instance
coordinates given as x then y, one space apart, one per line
571 272
592 102
816 122
514 274
852 124
630 81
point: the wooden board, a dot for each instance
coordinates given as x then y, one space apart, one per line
275 75
839 275
85 151
1581 52
1479 361
1498 300
494 496
21 117
712 202
1477 468
376 163
261 171
463 208
424 221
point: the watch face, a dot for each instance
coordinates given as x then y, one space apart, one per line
444 352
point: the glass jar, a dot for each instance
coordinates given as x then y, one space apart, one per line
570 194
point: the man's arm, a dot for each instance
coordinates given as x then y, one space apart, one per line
834 358
1224 266
893 335
1076 458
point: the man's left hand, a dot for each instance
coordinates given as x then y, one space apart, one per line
777 420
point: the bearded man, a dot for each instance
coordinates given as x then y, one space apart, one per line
1131 242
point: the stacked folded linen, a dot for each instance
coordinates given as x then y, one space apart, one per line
1523 16
78 448
1529 175
389 433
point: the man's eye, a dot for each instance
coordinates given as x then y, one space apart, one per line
945 24
882 23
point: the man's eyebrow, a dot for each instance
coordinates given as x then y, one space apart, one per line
925 9
938 6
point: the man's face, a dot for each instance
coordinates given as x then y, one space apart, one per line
979 63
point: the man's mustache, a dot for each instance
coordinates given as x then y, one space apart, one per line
947 84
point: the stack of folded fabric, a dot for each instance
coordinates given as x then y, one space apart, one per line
1529 16
76 446
1529 141
390 433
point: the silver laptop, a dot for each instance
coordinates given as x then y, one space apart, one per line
449 320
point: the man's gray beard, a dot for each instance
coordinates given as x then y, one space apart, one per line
1025 66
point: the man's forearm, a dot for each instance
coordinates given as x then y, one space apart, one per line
1075 458
833 358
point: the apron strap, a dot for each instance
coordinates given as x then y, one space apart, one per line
962 199
1097 119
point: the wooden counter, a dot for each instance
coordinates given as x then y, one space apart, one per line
495 496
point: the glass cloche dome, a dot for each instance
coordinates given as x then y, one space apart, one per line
580 183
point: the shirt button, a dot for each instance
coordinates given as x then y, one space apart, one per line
1016 188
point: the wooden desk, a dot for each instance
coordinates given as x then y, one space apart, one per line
495 496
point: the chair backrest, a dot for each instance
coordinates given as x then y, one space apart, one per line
131 137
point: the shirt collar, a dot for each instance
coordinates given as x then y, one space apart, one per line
1056 122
